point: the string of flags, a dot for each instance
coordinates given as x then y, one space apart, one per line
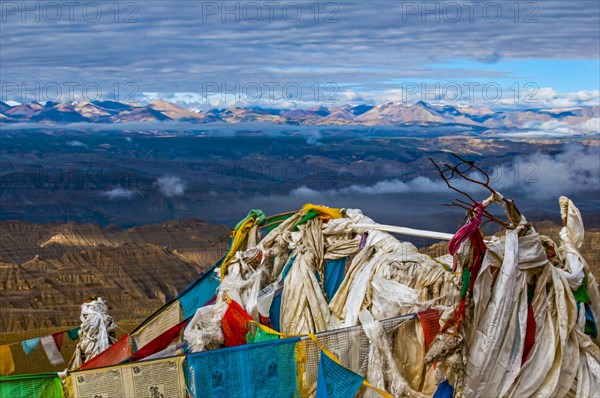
51 343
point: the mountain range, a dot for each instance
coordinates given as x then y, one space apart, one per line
584 120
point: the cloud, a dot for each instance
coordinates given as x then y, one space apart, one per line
555 128
76 144
540 175
468 92
573 171
385 187
171 186
120 193
490 59
546 94
345 42
591 126
313 137
547 97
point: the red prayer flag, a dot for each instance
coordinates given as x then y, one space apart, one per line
58 339
235 325
430 322
529 334
159 343
115 354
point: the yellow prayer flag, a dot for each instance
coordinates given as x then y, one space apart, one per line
326 212
7 366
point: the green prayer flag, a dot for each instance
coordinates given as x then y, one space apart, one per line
254 213
581 294
309 216
466 282
73 333
44 385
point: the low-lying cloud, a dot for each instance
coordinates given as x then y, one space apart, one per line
575 170
560 128
75 143
171 186
540 175
120 193
394 186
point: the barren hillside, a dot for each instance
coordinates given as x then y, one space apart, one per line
46 270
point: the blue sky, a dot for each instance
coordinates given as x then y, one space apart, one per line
563 75
204 54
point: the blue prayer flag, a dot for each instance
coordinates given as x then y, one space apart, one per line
334 276
266 369
335 381
198 293
30 345
444 390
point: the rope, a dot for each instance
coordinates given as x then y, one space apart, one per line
404 231
121 329
19 342
62 331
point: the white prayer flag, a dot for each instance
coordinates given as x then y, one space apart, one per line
52 351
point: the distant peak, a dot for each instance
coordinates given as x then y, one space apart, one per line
161 102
